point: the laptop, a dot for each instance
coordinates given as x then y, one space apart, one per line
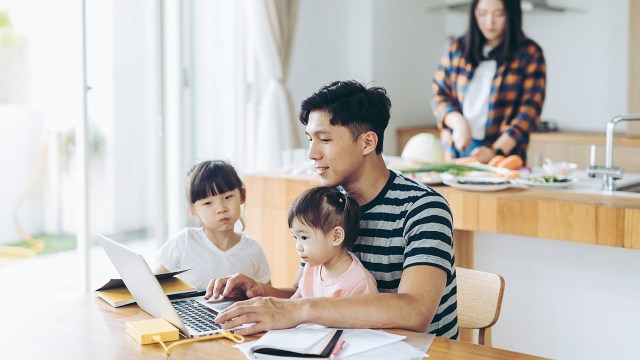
194 317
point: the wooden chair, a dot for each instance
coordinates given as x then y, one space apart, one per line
479 301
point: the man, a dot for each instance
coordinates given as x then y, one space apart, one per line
405 238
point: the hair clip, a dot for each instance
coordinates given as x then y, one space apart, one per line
340 199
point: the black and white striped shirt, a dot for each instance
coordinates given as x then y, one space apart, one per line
410 224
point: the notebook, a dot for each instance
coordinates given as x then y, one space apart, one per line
192 316
296 343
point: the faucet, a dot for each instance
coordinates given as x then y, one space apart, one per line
609 172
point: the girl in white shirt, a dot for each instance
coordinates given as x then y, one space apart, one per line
213 250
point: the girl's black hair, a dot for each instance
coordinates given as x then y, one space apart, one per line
324 208
210 178
473 41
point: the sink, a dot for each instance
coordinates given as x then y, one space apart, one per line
635 188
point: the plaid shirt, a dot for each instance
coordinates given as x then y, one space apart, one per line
516 96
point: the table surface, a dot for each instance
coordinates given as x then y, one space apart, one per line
86 327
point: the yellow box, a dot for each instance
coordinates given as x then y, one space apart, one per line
143 331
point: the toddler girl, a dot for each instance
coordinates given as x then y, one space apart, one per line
325 223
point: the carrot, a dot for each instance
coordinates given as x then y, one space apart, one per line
508 175
495 160
511 162
466 160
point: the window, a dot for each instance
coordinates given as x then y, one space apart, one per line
165 88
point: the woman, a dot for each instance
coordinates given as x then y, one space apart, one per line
489 88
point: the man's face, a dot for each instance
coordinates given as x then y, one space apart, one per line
336 155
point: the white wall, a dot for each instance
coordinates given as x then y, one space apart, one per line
562 300
407 47
373 41
330 36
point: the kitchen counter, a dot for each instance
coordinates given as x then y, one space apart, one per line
581 214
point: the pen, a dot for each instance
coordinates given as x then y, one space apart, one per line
336 350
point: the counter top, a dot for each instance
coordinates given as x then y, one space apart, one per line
581 213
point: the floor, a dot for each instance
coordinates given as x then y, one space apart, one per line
58 276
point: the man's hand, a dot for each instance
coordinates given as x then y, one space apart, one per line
237 285
265 313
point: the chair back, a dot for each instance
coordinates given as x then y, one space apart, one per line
479 301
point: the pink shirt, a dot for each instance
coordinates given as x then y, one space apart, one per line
355 281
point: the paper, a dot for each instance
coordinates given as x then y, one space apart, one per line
399 350
361 340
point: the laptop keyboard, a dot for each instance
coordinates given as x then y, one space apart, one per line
196 315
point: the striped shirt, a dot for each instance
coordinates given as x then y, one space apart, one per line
515 99
410 224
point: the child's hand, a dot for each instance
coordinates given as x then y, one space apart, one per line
237 285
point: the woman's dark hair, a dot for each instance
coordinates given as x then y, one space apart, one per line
210 178
324 208
473 41
352 105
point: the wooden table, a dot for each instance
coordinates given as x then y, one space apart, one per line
86 327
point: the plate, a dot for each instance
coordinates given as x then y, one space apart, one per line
548 185
429 178
478 183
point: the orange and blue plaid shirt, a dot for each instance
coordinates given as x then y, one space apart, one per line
516 96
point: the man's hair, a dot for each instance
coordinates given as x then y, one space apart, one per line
325 207
473 41
352 105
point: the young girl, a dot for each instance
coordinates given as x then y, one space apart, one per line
325 223
215 193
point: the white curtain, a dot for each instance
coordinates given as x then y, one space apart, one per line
215 90
273 23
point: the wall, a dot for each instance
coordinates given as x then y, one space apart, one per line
562 300
373 41
330 36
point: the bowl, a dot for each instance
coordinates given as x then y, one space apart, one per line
559 169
